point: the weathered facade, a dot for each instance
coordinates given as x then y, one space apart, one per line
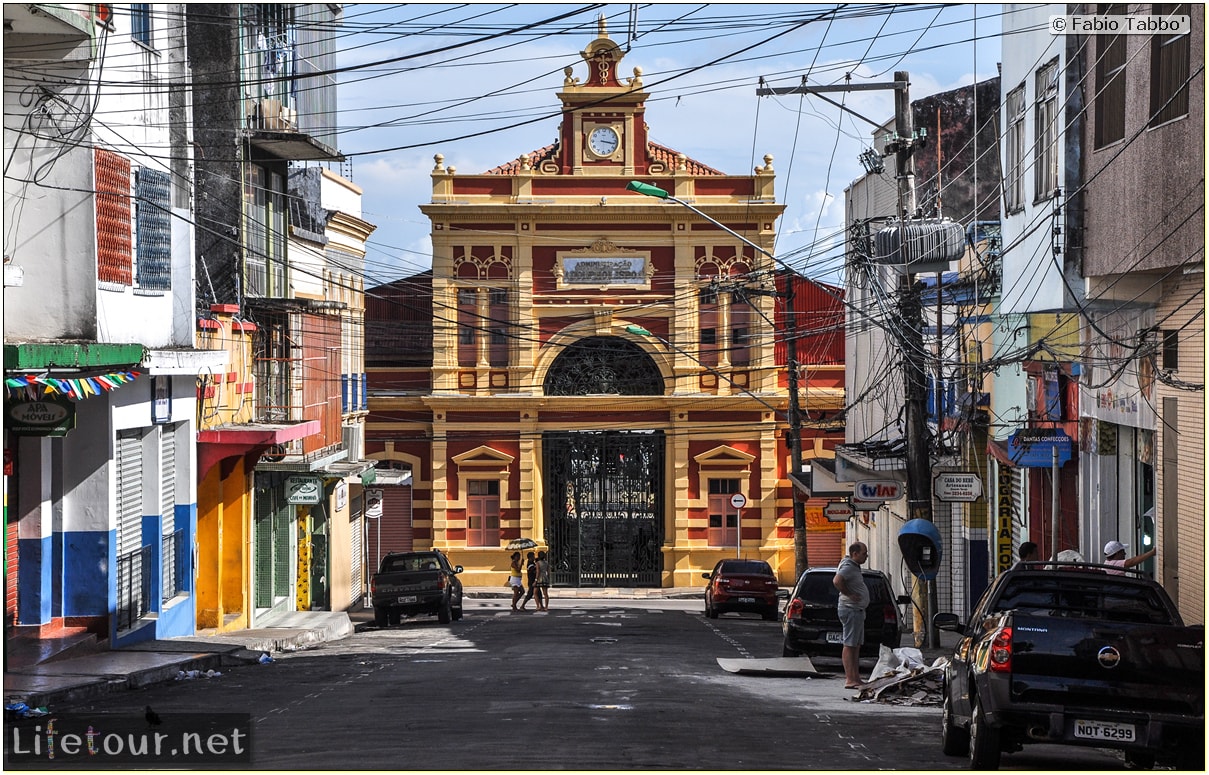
599 371
1143 334
957 176
273 423
99 361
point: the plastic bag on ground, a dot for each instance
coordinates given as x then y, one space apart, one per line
900 661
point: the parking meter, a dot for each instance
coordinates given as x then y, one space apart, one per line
919 541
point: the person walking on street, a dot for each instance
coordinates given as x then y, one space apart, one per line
1114 552
854 599
531 575
543 582
514 579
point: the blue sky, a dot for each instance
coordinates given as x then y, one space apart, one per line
477 84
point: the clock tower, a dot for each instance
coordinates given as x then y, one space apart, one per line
603 131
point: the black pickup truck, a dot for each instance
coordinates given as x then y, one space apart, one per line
410 583
1074 655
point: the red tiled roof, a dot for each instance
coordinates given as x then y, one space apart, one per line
535 160
655 152
668 157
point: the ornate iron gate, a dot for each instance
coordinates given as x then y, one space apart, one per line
604 499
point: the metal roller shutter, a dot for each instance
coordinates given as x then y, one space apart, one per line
824 550
392 532
168 509
168 477
132 602
129 491
356 524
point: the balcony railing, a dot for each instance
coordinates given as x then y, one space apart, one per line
134 587
174 564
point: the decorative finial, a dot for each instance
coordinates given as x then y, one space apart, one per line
767 164
440 160
636 81
602 26
681 163
526 164
570 80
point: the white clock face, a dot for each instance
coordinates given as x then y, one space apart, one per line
603 141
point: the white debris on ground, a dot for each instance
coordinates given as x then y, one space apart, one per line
901 677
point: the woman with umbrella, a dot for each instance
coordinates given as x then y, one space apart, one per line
514 579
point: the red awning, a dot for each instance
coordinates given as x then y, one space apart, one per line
225 441
999 451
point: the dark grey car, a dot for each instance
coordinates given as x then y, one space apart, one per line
812 625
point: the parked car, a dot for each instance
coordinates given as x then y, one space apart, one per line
1078 656
742 586
410 583
812 624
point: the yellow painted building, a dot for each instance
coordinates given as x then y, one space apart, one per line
599 371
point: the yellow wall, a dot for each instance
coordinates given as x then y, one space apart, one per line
222 534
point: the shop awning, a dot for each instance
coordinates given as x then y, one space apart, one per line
225 441
818 480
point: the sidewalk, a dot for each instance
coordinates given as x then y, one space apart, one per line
72 676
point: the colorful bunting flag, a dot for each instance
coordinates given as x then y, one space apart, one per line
78 388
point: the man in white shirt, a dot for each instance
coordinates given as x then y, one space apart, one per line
1114 552
854 599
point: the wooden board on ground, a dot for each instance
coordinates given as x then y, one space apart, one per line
787 666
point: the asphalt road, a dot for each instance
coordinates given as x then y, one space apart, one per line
593 685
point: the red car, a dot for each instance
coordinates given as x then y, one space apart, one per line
742 586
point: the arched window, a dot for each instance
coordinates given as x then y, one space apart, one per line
603 365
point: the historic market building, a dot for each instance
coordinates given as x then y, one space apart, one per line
596 370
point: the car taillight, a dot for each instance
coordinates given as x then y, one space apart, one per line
1001 652
373 587
440 582
890 614
794 611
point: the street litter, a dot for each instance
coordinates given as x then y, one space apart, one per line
21 710
265 658
189 675
800 666
901 677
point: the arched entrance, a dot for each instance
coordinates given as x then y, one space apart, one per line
604 489
604 501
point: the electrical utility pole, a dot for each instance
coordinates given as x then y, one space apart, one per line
794 415
910 323
795 426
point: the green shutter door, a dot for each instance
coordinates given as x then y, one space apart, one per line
262 539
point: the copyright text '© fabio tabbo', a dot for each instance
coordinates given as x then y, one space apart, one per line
1132 24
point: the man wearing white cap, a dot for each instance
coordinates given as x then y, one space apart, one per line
1114 552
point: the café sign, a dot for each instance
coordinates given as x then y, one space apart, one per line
45 417
303 490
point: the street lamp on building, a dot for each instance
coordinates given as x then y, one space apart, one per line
794 415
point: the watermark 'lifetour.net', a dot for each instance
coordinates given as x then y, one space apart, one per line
80 741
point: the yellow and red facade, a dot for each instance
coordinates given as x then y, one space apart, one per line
564 314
